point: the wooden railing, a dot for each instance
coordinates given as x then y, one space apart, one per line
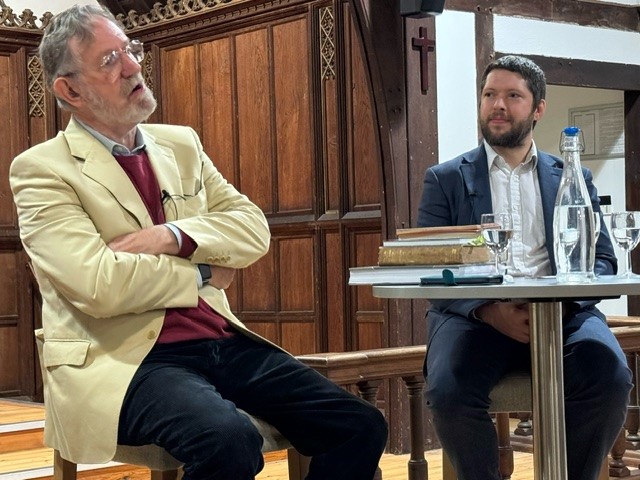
366 369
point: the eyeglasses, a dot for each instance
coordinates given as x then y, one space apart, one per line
134 49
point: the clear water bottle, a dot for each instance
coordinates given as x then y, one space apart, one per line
573 222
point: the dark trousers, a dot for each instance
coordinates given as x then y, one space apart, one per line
184 398
466 358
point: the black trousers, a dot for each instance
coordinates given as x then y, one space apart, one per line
184 398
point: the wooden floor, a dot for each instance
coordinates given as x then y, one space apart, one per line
18 454
394 467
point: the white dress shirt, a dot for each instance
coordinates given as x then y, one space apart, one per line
517 191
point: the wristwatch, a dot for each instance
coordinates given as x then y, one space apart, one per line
205 272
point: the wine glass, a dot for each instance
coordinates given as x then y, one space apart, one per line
497 229
625 229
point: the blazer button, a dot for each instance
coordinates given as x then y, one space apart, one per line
151 335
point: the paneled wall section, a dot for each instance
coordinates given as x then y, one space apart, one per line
286 115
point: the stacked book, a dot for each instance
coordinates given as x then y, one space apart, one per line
435 246
419 252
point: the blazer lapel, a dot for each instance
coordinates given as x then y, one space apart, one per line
100 166
164 165
475 173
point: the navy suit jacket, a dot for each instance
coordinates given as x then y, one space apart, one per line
458 192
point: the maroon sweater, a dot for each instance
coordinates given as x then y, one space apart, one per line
179 323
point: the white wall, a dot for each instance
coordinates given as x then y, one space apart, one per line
608 174
565 40
457 96
456 76
39 7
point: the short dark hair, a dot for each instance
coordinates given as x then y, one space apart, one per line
526 68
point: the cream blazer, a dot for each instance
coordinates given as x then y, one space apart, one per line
102 311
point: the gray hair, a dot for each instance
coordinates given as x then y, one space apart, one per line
75 22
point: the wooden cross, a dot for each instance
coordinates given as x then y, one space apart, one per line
425 46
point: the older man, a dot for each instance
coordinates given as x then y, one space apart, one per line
134 235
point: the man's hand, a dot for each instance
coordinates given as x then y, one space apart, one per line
221 277
154 241
509 318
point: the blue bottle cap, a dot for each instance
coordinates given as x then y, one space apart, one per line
571 131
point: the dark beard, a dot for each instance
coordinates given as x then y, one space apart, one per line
511 139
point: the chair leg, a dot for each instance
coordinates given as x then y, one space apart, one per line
505 450
164 475
63 469
448 472
298 464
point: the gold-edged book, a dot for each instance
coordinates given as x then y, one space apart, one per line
433 254
449 232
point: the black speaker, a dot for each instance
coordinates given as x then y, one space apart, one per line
421 8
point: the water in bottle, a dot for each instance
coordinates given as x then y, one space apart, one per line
573 223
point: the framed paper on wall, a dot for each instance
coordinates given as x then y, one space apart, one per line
603 130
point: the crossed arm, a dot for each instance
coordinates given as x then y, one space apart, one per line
159 240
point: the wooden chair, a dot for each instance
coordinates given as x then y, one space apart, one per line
512 394
162 465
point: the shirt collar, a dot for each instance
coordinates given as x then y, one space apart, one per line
492 157
114 147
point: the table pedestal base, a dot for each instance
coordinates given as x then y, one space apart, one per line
549 439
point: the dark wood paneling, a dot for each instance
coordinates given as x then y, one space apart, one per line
380 30
367 309
7 216
364 154
259 285
31 319
17 376
332 169
8 284
335 281
268 330
11 373
422 118
298 338
9 357
254 117
216 86
293 131
180 96
296 269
